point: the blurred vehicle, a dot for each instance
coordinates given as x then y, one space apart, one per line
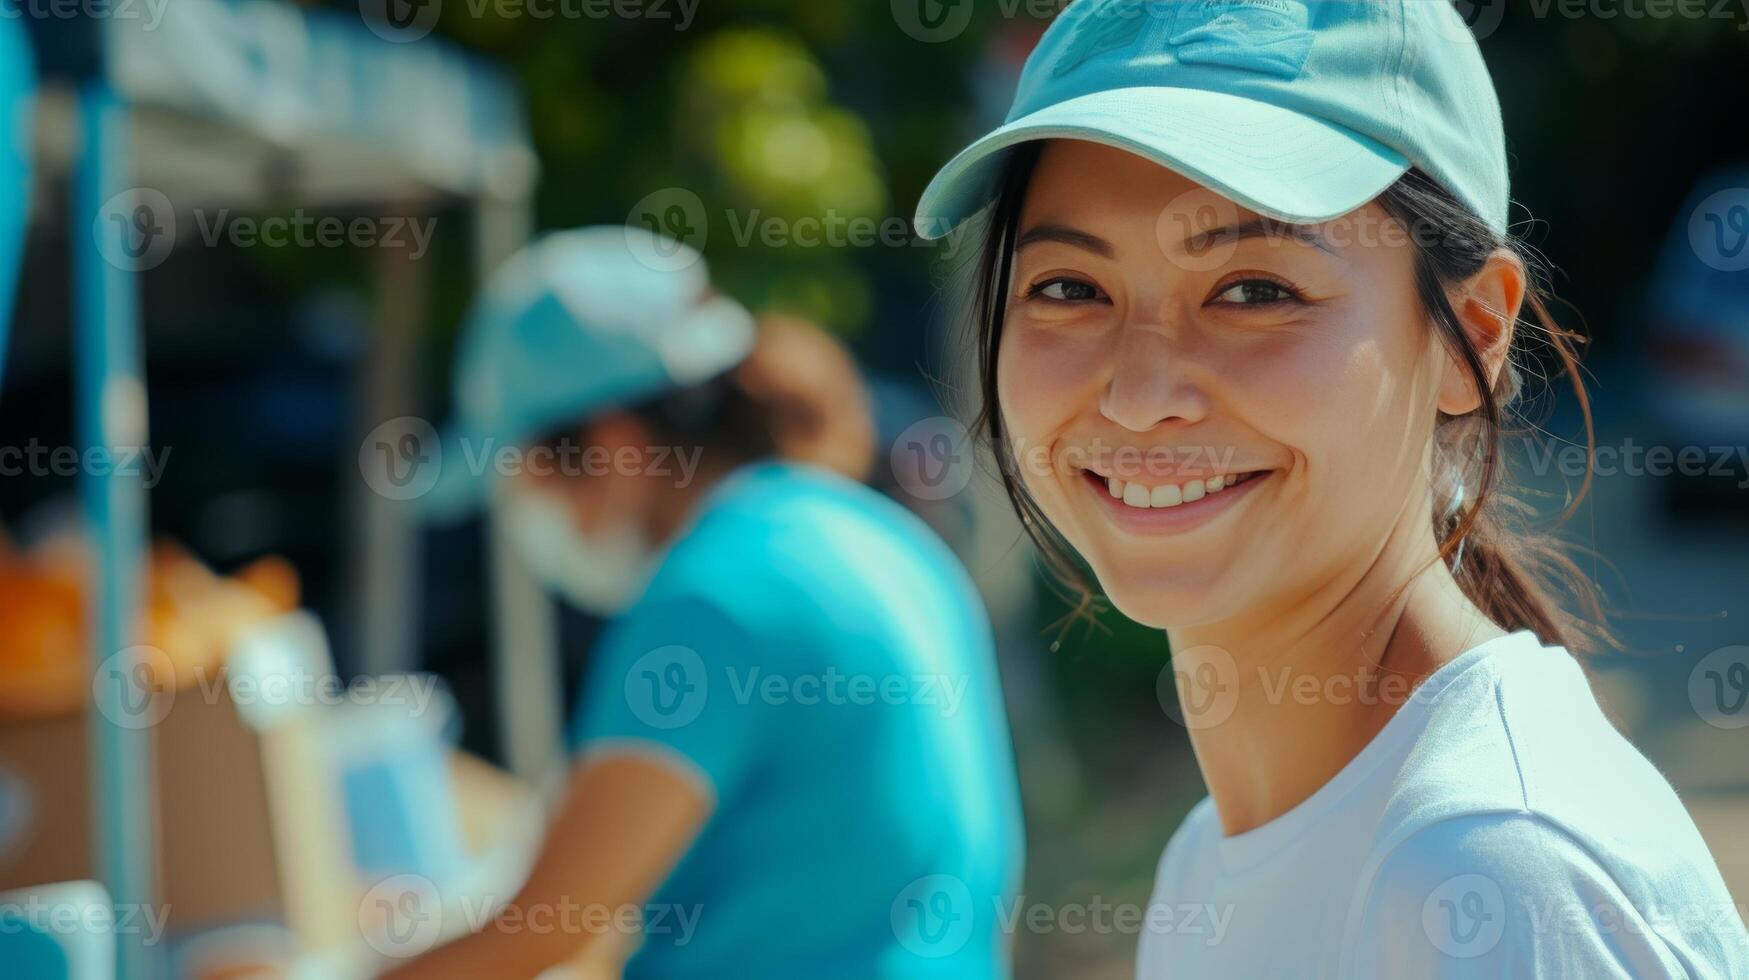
1696 310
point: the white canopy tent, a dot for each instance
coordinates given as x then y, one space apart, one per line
261 104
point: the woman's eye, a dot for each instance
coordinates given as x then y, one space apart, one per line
1066 290
1255 292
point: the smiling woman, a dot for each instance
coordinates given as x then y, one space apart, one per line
1328 315
1249 320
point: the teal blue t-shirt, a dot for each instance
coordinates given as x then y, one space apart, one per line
819 659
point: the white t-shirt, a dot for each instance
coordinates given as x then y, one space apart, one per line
1497 826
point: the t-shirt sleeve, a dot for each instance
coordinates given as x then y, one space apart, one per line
1493 895
669 680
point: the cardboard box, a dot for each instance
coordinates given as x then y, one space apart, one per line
248 823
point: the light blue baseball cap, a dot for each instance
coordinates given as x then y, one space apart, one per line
1301 110
576 323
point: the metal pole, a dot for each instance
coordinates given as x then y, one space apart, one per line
17 82
386 549
110 399
526 669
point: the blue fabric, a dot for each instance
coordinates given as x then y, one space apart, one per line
17 93
1302 110
813 653
573 324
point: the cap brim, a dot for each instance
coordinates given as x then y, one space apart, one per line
1275 161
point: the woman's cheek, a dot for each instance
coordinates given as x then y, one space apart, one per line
1025 384
1045 382
1330 398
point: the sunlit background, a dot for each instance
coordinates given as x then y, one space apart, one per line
788 139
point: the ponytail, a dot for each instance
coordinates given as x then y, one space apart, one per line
1515 574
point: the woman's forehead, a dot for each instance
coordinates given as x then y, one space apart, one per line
1087 187
1087 171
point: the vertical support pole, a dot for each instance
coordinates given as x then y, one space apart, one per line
527 675
386 550
17 112
110 399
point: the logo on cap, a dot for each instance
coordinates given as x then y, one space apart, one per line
1269 36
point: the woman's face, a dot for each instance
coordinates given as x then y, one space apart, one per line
1160 340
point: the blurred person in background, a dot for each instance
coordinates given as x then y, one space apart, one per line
706 491
1697 310
1247 277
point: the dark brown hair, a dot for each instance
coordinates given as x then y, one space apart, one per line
1516 575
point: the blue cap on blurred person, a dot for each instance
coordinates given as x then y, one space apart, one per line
1301 110
576 323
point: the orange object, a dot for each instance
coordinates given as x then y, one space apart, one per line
190 614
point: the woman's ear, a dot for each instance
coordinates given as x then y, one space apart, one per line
1487 306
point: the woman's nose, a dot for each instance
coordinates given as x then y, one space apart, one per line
1149 382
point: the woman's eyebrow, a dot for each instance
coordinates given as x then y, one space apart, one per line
1256 228
1066 236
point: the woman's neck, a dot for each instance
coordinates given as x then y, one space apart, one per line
1317 678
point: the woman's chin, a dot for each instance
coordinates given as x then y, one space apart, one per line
1167 601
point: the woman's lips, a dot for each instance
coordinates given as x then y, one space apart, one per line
1170 508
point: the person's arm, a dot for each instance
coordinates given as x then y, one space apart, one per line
625 821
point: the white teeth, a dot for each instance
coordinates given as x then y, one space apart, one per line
1167 494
